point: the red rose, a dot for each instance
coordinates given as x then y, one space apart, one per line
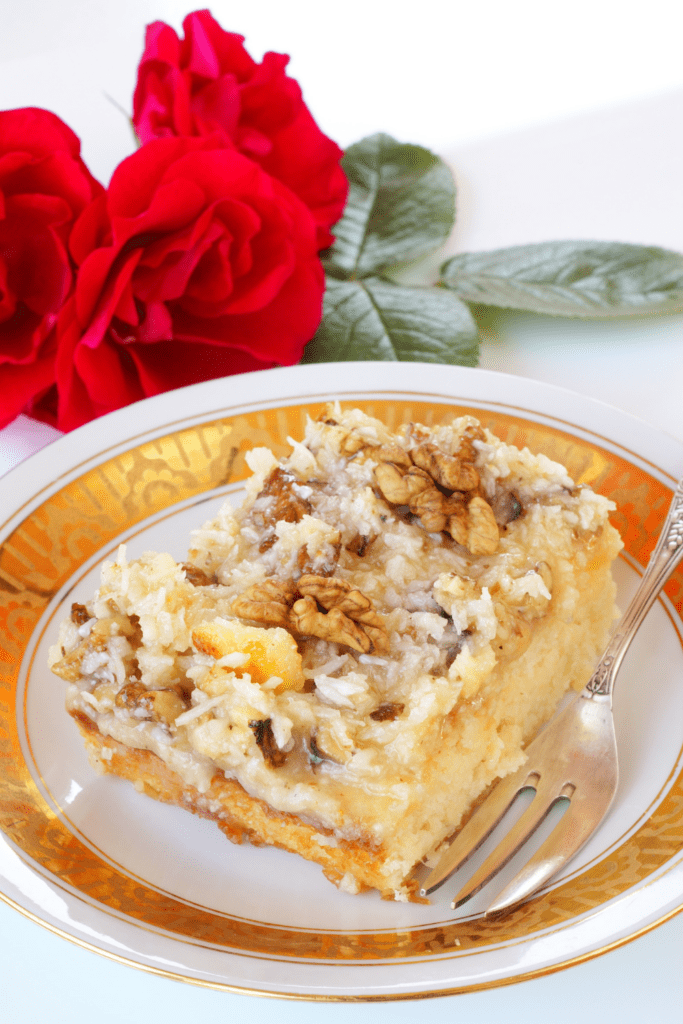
195 264
208 82
44 186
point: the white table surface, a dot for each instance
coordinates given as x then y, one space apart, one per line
559 122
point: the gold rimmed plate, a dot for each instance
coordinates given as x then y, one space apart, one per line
150 885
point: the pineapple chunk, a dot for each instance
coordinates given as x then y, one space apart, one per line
270 652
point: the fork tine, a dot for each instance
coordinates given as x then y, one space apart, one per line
573 830
538 809
478 828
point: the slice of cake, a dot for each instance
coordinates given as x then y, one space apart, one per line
346 662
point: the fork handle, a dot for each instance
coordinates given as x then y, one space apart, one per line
664 559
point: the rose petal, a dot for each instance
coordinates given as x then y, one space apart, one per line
271 333
174 364
21 383
227 46
207 82
44 187
101 283
164 272
216 272
36 266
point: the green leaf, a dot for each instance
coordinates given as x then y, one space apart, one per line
401 206
580 279
374 319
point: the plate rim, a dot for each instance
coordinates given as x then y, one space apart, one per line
277 385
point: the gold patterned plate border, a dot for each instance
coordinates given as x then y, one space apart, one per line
46 549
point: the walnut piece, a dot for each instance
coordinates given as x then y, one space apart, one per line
268 602
129 695
392 453
402 487
336 595
161 705
324 566
440 489
352 443
69 667
348 616
482 529
262 729
450 471
196 576
288 506
506 507
333 625
436 510
387 712
390 480
359 544
79 614
346 440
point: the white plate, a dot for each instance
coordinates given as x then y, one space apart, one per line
152 886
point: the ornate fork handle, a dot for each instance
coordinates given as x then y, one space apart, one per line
665 557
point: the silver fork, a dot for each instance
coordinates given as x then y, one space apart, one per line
574 757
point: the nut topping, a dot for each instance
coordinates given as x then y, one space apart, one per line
196 576
288 505
441 490
352 444
435 510
387 712
348 617
391 483
262 729
482 529
506 507
449 471
332 625
348 441
392 453
359 544
161 705
129 695
317 562
268 602
79 614
69 667
348 607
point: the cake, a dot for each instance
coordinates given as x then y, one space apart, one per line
346 662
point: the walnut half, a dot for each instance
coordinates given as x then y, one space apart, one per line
326 607
161 705
268 602
440 489
332 625
337 595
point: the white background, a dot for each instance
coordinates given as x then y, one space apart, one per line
560 121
